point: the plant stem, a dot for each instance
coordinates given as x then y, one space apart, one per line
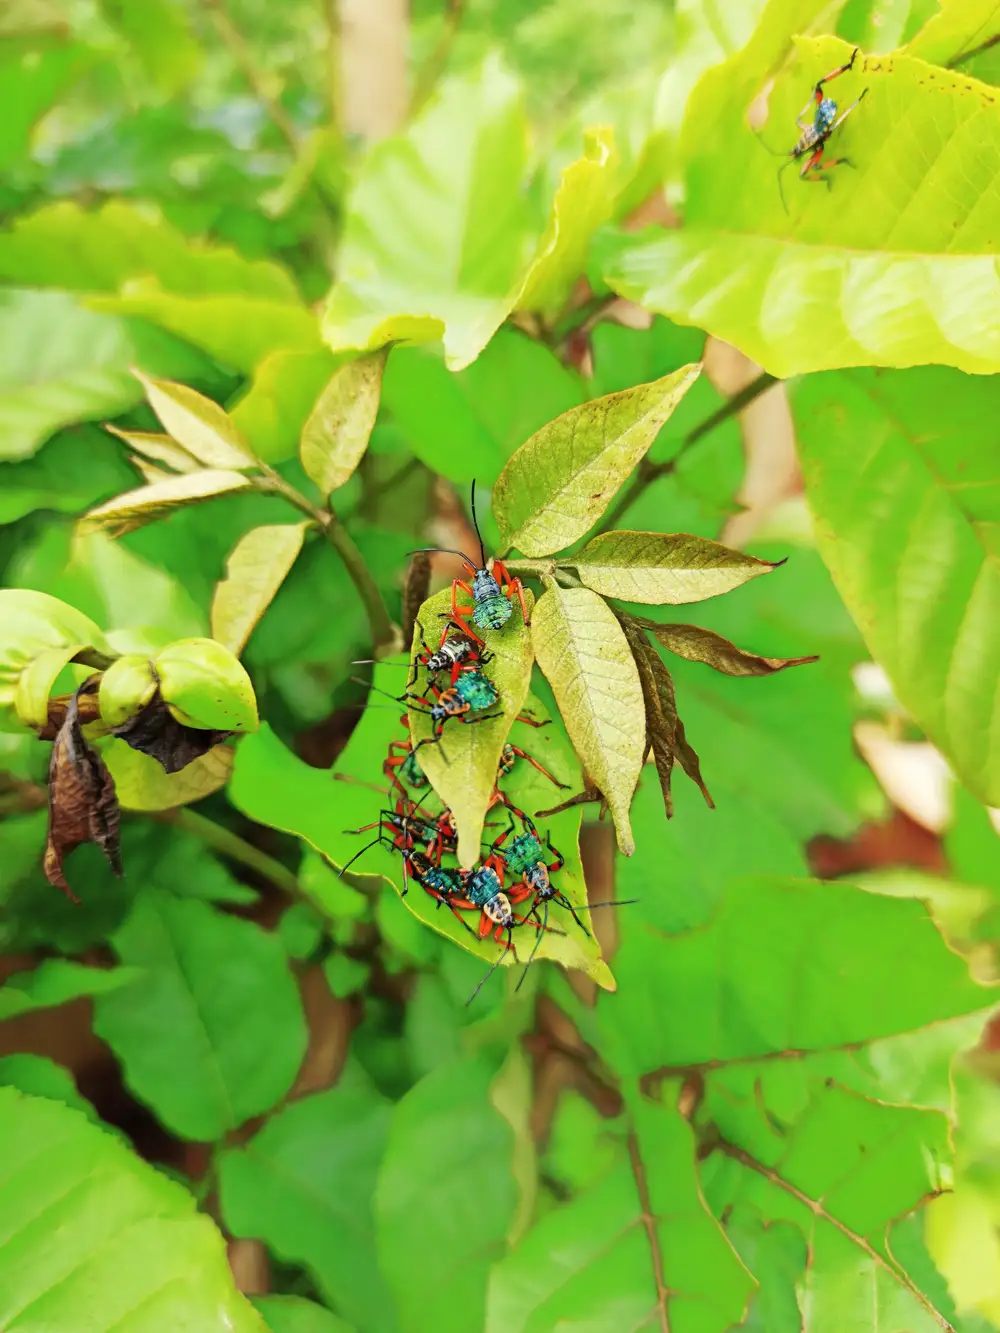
648 472
435 66
976 51
229 844
93 658
386 637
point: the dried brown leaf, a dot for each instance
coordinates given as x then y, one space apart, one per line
155 732
416 589
703 645
83 806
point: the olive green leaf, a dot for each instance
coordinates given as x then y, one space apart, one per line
132 509
35 626
142 784
56 981
204 685
908 526
126 688
336 435
257 566
160 448
561 480
669 568
133 1250
888 270
582 203
583 652
661 707
198 424
463 768
704 645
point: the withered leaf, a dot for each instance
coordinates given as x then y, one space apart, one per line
156 732
83 806
88 710
585 797
416 587
703 645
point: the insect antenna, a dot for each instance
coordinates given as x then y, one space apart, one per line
444 550
534 947
503 954
367 847
403 702
475 524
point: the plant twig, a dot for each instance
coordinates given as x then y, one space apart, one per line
649 1224
229 844
976 51
258 80
386 638
435 65
648 472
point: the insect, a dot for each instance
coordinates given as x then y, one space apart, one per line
401 763
816 132
511 753
441 883
472 692
403 828
492 590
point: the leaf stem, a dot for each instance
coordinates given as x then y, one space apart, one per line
229 844
386 637
649 1223
92 657
976 51
648 472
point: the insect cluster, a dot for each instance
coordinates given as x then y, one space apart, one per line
511 887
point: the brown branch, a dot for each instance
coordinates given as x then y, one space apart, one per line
649 1225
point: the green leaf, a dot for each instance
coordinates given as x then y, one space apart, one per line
255 570
276 406
305 1183
637 1250
199 426
954 31
56 981
704 645
133 1250
97 250
294 1314
127 512
236 329
583 202
40 1077
781 941
61 364
72 470
35 70
445 1198
160 38
455 174
38 628
465 425
335 437
205 686
581 649
213 1032
463 768
559 483
657 567
877 273
922 499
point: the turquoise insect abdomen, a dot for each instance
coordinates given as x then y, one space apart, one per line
411 771
492 609
476 690
482 886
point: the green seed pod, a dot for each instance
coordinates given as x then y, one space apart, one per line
205 686
126 688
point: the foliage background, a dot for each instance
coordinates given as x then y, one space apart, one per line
786 1117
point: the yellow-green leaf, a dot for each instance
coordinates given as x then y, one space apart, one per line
584 654
141 783
36 681
463 768
205 686
661 567
33 624
583 202
134 508
198 424
561 480
895 266
336 435
957 30
160 448
257 566
126 688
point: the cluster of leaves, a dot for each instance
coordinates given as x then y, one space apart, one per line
309 350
